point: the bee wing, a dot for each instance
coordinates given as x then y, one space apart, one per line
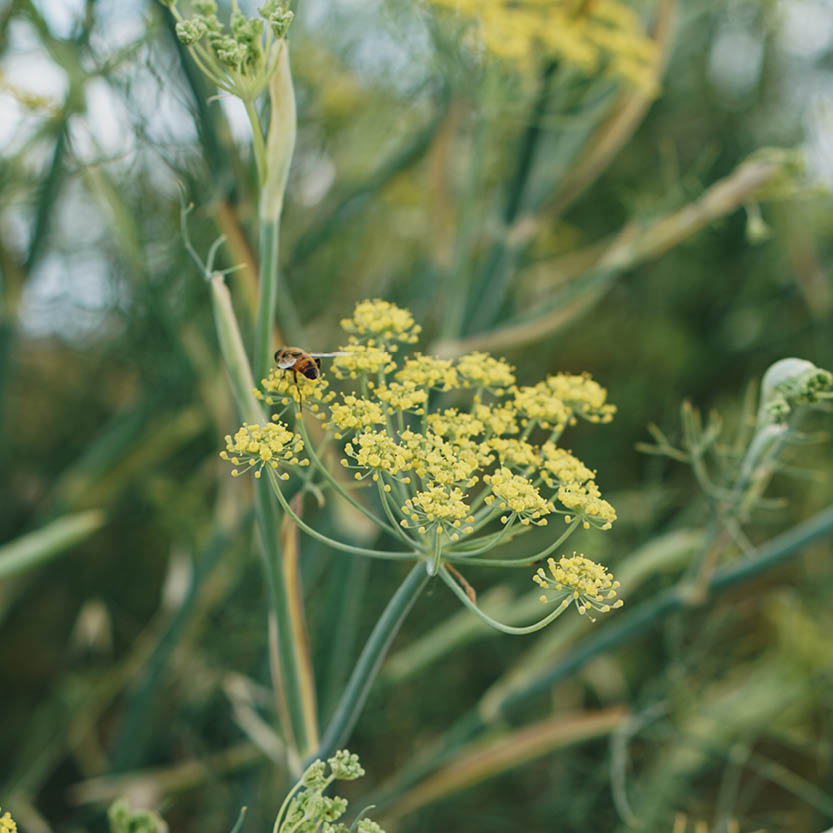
328 355
286 363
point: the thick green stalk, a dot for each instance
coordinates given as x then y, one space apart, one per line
356 199
489 293
233 352
257 140
288 671
274 173
375 649
268 295
287 683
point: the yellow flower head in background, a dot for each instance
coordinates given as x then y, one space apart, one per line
7 823
597 37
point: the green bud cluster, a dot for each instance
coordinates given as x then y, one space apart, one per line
789 383
242 57
124 820
306 808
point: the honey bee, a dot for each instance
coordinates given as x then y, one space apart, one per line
300 361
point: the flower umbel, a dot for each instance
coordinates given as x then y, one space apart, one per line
453 482
587 503
579 580
378 322
518 495
601 38
283 386
480 370
256 446
438 508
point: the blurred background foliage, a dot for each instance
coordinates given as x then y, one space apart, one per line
512 208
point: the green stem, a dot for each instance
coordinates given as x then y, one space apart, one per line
489 542
268 295
383 497
461 595
517 562
257 140
434 566
308 447
367 667
355 200
288 684
233 352
460 273
489 294
285 806
330 542
288 678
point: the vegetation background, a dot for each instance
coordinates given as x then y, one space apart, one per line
134 661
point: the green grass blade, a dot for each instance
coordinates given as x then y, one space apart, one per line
37 547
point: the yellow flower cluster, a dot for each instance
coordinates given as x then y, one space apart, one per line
362 360
7 823
455 425
498 419
355 414
563 466
482 371
599 37
256 446
579 580
519 495
378 451
455 469
284 386
404 396
582 395
436 460
587 504
514 453
539 404
378 321
429 372
438 508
